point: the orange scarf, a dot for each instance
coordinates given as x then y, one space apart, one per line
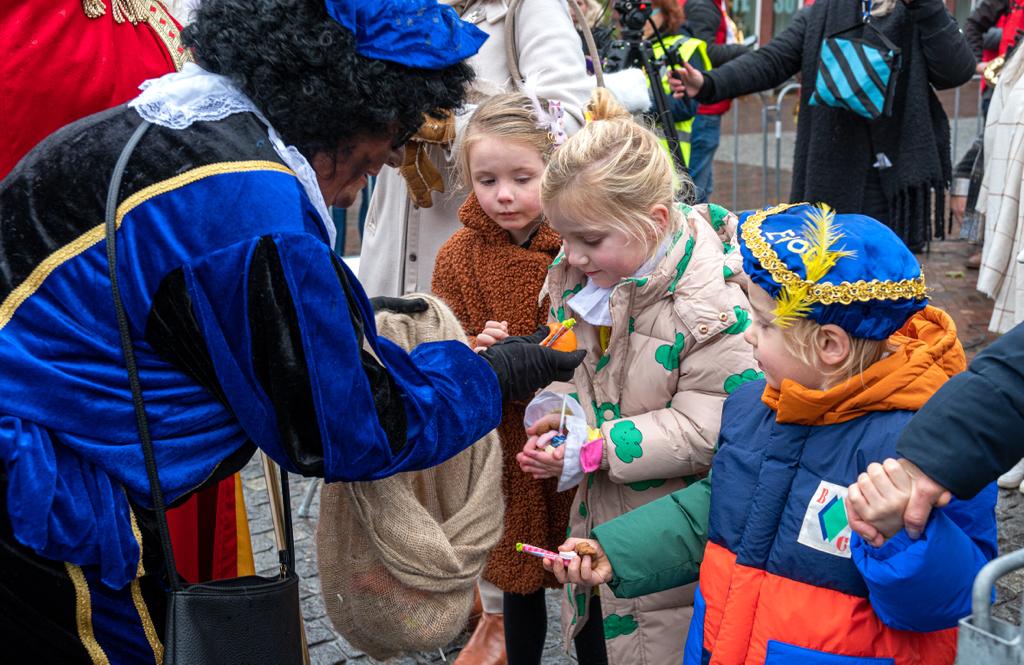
927 352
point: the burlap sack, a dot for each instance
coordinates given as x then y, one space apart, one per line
399 557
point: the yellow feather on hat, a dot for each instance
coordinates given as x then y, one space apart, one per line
819 258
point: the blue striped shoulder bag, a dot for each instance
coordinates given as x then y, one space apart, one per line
856 74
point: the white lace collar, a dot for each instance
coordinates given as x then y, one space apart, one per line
178 99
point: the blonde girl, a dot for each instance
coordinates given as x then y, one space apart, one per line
654 287
491 272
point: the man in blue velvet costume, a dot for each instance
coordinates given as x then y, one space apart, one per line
249 331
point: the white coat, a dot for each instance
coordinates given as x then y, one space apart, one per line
400 239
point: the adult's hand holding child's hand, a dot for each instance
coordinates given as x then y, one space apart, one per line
588 569
925 494
879 497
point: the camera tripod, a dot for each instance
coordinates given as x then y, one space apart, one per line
632 50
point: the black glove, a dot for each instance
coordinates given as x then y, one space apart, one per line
524 366
399 305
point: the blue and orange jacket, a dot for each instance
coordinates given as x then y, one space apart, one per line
783 579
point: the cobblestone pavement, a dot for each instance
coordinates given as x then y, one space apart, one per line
952 289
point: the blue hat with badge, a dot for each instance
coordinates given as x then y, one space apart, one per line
416 33
849 270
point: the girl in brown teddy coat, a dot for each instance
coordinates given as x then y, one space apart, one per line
490 272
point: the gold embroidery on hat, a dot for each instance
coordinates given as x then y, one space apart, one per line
844 293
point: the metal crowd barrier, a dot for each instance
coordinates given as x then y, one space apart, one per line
983 639
775 112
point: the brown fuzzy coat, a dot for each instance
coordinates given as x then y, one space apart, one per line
483 275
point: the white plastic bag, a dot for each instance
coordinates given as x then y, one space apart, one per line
573 426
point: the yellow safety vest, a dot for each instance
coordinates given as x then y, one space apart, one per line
686 51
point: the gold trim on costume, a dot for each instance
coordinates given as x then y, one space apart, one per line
153 14
94 8
83 615
160 21
140 603
244 564
827 294
24 291
133 11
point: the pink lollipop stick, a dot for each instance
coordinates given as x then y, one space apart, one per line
564 557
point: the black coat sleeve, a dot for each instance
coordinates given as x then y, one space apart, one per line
965 167
702 20
763 69
984 16
950 61
972 430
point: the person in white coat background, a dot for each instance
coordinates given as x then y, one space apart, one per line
402 237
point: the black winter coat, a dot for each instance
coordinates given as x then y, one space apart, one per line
702 20
836 149
972 429
982 18
795 51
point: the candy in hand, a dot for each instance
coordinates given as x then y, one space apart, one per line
561 337
585 549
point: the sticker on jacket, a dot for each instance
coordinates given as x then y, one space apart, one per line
825 526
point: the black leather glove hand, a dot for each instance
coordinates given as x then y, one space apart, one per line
399 305
524 367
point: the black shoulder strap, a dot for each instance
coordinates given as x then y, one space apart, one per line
128 352
129 356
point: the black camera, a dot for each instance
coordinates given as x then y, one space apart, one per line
633 14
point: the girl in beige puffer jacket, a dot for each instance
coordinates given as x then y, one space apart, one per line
655 289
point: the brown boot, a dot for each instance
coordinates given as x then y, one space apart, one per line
974 260
487 644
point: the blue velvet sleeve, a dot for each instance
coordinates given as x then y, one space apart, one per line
925 584
283 332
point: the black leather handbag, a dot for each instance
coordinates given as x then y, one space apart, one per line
241 621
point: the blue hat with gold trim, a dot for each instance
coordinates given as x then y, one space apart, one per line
848 270
417 33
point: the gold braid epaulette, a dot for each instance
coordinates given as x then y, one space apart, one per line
844 293
133 11
150 12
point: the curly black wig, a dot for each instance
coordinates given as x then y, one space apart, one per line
302 71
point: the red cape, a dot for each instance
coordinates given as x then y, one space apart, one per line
59 65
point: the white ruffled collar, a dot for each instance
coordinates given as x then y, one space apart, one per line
193 94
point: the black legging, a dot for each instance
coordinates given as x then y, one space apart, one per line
526 627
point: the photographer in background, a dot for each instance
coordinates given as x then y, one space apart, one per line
709 21
658 23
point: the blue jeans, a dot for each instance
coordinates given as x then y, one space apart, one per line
707 129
